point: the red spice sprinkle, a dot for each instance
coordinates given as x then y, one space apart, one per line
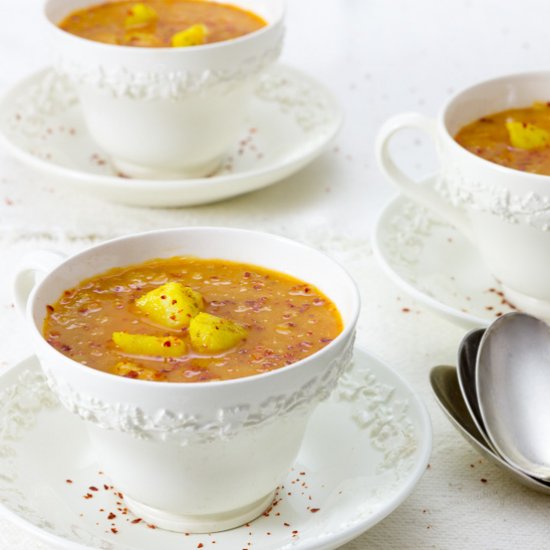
483 480
68 481
167 344
302 473
314 510
106 487
88 496
286 524
50 308
151 526
174 302
294 532
93 488
200 545
405 310
137 520
114 530
111 516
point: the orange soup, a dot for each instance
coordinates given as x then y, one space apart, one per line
162 23
516 138
187 319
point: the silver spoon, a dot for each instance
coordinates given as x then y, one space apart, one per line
467 359
513 389
445 385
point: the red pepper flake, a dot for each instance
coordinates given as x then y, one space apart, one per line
314 510
405 310
200 545
68 481
294 532
106 487
302 473
50 308
137 520
483 480
114 530
88 496
151 526
286 524
119 495
111 516
93 488
167 344
163 297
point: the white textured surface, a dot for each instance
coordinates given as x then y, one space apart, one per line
380 58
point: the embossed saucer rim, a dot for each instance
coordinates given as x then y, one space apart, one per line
466 320
215 187
347 529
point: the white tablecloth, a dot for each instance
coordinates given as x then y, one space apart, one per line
380 57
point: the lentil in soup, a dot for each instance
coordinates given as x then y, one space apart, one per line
161 23
516 138
187 319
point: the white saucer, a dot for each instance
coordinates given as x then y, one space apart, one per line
365 450
291 120
434 263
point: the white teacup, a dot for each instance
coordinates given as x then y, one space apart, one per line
198 457
504 212
166 112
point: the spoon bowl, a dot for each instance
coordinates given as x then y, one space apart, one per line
466 371
513 390
444 382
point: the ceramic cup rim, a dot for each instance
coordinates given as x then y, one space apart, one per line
450 142
345 335
166 51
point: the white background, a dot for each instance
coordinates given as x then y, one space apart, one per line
380 57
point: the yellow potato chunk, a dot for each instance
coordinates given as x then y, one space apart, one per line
211 334
193 36
133 370
524 135
140 15
145 344
171 305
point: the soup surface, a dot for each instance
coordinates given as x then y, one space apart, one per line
161 23
187 319
516 138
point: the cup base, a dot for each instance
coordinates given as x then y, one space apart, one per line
137 171
528 304
200 524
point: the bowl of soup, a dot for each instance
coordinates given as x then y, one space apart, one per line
195 358
164 84
493 142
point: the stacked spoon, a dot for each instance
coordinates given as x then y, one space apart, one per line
499 397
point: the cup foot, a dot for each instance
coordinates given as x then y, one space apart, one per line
528 304
206 523
138 171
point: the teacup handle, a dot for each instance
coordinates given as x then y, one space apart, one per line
31 270
422 193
